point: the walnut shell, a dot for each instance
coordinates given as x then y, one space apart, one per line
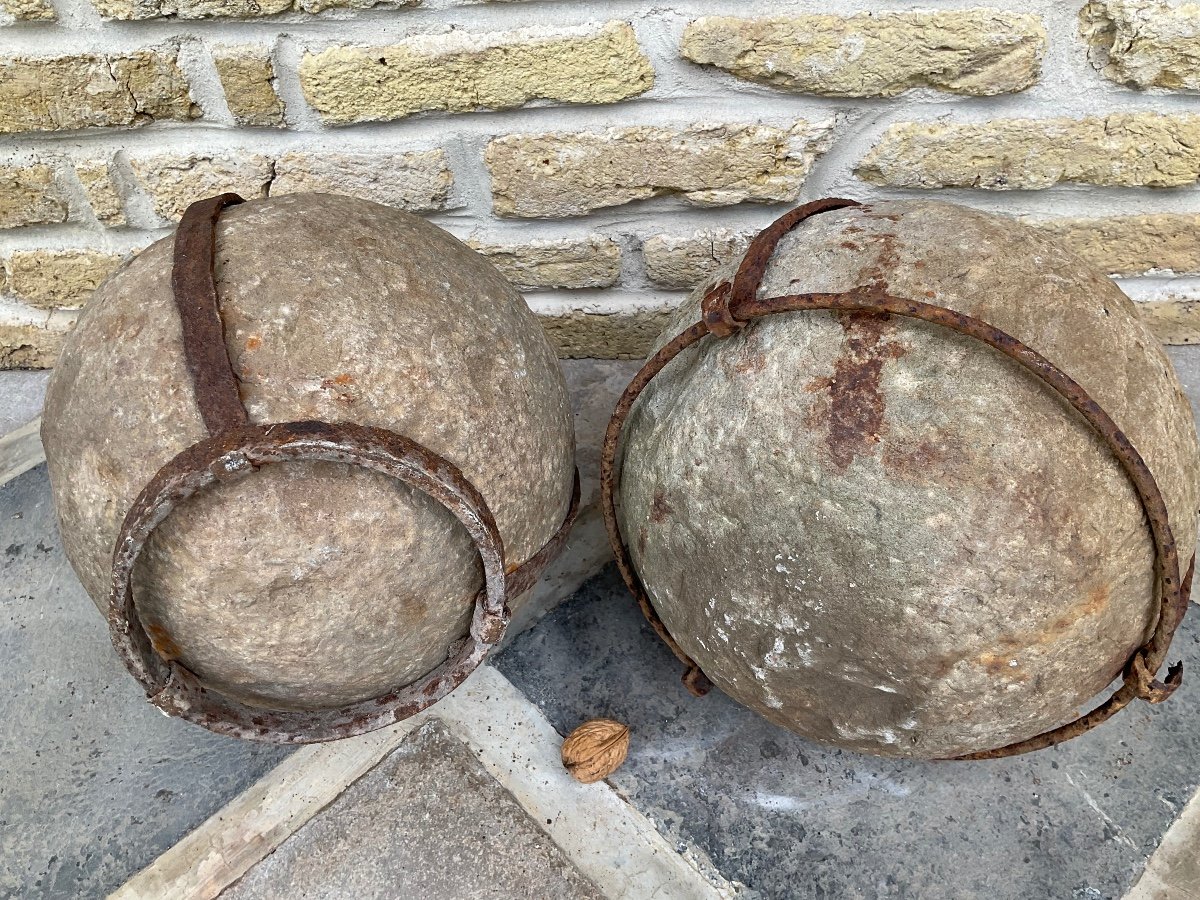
595 749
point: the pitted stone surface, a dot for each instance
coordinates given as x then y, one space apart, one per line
885 535
312 584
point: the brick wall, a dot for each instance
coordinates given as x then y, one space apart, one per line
606 155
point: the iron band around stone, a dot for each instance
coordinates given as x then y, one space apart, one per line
236 448
728 307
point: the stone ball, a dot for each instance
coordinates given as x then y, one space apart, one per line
887 536
311 585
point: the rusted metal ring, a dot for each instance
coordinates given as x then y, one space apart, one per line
743 306
235 454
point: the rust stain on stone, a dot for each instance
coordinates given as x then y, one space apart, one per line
1003 664
343 387
853 415
660 509
253 342
1093 603
1000 661
920 461
162 642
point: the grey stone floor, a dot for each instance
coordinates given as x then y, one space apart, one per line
426 822
1186 361
94 782
21 397
790 818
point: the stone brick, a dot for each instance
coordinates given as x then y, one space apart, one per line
26 346
28 10
1144 43
247 77
969 51
30 195
461 71
1175 321
97 180
594 262
1124 149
569 174
1133 245
49 279
682 262
66 92
174 182
419 181
620 335
241 9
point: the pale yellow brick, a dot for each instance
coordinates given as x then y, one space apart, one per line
239 9
682 261
593 262
462 71
29 10
97 179
247 77
189 9
67 92
174 182
572 173
50 279
1124 149
1132 245
30 195
316 6
967 51
418 181
24 346
1145 43
1174 321
621 335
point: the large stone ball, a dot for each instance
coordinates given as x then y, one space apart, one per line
311 585
885 535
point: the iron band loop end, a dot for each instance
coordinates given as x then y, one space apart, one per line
717 314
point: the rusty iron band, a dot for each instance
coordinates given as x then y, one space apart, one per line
729 306
235 448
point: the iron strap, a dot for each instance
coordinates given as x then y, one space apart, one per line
235 448
730 305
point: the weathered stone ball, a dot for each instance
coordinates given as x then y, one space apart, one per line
885 535
312 585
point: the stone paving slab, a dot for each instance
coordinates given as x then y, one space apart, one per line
95 783
790 818
1186 361
21 397
427 822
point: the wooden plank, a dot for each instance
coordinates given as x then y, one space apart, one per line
261 818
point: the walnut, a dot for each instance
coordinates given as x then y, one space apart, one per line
595 749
